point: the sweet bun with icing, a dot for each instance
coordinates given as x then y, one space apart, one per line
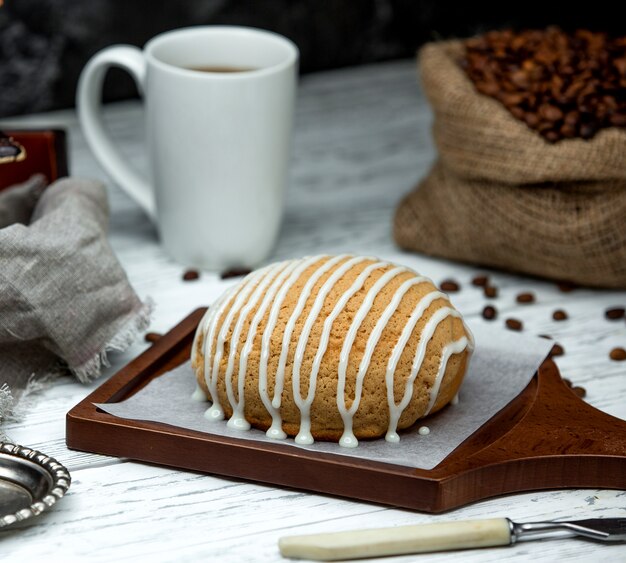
331 348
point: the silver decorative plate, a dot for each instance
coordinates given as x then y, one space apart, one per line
30 482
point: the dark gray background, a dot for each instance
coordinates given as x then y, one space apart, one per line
45 43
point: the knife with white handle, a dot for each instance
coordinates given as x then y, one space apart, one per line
444 536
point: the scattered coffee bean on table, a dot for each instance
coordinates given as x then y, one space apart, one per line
480 281
490 313
490 291
566 287
580 392
235 273
191 275
618 354
567 382
559 315
514 324
449 286
525 298
152 336
614 313
557 350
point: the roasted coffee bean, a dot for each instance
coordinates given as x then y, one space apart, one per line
562 85
517 112
567 382
525 298
490 291
614 314
566 287
449 286
572 119
480 281
587 130
618 120
559 315
580 392
490 313
191 275
152 336
514 324
550 112
557 350
235 273
531 119
552 135
568 131
618 354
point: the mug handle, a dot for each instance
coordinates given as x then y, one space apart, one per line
88 102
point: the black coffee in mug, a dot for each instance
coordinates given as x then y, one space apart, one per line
228 69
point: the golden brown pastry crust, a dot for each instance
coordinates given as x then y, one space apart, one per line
372 417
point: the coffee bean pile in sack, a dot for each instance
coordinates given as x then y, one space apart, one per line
501 195
562 85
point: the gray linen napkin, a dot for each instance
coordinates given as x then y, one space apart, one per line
65 301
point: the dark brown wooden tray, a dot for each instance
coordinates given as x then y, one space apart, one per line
546 438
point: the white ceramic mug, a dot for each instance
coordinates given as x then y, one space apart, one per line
218 142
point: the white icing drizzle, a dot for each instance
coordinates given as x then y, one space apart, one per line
237 420
214 311
304 403
424 431
247 347
455 347
348 439
291 323
198 394
325 336
269 287
206 319
395 411
211 372
276 430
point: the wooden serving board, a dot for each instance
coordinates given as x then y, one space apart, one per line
546 438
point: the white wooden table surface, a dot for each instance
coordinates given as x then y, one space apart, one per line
362 140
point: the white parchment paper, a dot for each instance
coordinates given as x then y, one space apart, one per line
502 366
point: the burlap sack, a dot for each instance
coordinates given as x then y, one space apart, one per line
501 196
577 233
477 137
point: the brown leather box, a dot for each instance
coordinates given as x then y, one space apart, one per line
42 151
